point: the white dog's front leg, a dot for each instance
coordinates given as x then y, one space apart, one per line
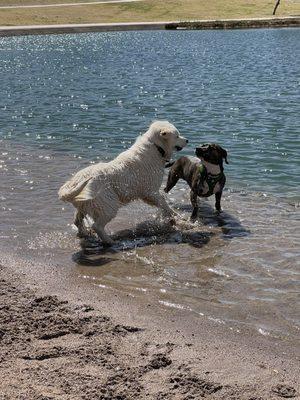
106 240
159 201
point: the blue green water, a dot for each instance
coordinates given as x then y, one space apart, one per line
90 95
70 100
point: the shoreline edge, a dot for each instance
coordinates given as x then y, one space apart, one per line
254 23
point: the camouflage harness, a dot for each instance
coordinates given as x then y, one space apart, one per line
210 179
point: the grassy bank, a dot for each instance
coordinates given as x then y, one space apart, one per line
146 10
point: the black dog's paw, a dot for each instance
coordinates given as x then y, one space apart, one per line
193 218
218 212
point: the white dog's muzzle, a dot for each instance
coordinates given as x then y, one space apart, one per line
181 143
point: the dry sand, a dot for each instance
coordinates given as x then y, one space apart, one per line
56 347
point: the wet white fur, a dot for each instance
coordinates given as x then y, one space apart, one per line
101 189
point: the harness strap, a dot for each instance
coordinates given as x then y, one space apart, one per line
210 179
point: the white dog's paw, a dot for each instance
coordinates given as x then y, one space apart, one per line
170 219
85 233
184 224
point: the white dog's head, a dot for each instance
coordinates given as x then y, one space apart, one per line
166 136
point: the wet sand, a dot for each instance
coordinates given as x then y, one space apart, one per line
68 342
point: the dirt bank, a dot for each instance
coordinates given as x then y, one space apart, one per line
286 22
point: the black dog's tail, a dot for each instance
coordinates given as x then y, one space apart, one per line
169 164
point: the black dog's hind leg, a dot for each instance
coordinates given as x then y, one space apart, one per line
218 196
193 197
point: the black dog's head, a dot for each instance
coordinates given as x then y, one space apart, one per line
212 153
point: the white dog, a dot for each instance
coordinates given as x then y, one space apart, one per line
101 189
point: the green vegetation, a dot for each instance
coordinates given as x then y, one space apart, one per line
145 10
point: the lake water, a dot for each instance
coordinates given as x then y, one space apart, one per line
70 100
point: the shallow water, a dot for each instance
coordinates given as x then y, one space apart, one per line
69 100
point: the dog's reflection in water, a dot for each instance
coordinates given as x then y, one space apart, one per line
156 232
147 233
230 226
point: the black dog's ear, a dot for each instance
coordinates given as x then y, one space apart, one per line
224 154
169 164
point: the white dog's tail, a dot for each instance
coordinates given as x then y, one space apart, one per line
68 192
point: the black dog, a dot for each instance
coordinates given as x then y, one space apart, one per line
205 178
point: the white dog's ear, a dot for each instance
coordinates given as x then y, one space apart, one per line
163 133
167 142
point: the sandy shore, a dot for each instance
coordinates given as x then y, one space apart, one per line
71 344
